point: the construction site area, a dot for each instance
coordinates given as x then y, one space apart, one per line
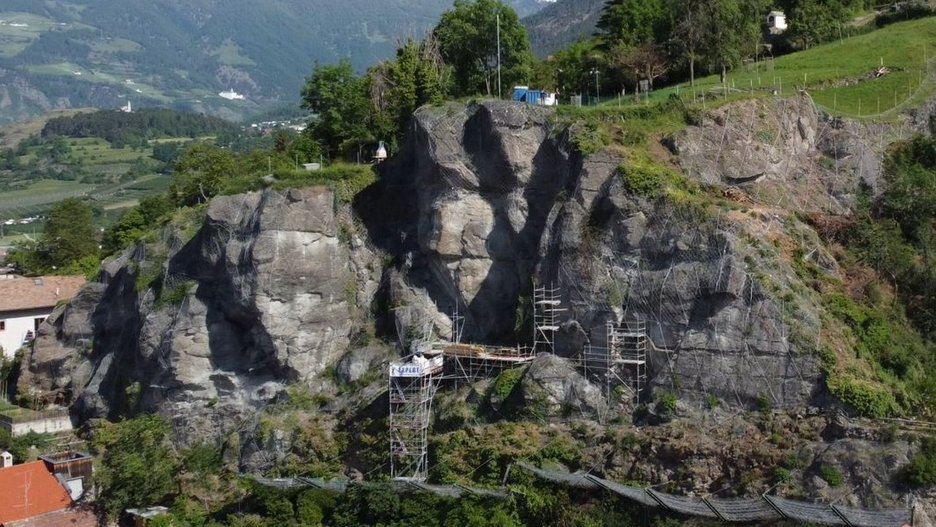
620 364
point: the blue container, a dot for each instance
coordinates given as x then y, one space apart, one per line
519 93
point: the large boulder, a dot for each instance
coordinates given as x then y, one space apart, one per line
551 386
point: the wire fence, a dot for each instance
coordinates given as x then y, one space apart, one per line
732 510
401 485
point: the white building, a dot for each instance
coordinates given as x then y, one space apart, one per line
26 302
231 95
776 22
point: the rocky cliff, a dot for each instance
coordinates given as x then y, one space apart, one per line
484 201
209 329
496 198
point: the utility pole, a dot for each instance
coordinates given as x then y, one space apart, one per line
594 71
499 92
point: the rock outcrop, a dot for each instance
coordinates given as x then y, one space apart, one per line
551 386
207 330
496 198
485 200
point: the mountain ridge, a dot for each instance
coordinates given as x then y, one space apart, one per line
561 23
57 54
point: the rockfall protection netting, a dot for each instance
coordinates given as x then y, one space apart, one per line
341 485
733 510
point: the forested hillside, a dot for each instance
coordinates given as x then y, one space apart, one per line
99 53
562 23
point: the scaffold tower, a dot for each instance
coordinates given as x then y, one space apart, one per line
627 346
546 302
412 385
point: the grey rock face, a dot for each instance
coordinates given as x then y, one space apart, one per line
784 152
553 386
359 362
497 199
265 294
483 201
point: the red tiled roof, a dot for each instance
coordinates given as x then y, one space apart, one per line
29 490
20 293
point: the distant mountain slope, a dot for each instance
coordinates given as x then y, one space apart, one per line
562 23
65 53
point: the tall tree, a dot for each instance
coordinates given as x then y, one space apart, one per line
138 466
813 22
689 32
69 235
416 77
645 62
467 40
723 40
634 23
339 100
200 173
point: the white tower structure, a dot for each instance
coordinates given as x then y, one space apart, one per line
412 386
546 309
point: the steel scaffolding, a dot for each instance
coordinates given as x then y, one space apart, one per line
627 344
412 386
622 362
471 362
546 302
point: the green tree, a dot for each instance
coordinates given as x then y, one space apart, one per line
573 65
467 40
134 223
634 23
813 22
201 173
723 23
166 152
139 466
689 32
339 100
68 242
416 77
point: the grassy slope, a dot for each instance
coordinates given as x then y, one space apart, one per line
906 48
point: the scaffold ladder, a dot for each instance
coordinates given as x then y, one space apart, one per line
546 310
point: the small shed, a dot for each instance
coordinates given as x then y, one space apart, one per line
776 21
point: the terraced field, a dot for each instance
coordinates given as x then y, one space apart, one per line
37 198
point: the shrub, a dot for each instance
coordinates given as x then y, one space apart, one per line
504 387
866 397
831 475
666 406
641 180
762 402
921 472
176 294
712 402
590 137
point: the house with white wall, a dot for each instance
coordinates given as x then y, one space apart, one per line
776 22
26 302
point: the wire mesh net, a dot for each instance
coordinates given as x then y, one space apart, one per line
683 504
807 512
866 518
743 509
733 510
